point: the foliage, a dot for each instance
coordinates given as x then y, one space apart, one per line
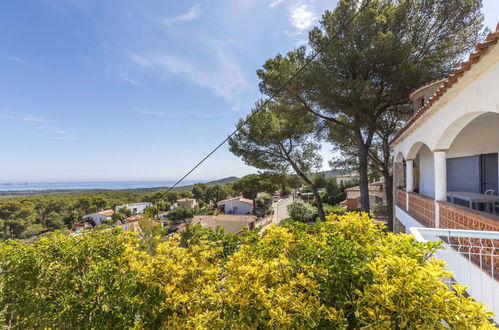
343 274
279 138
250 185
302 211
150 232
181 213
367 64
336 209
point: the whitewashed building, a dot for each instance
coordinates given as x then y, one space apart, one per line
446 170
97 218
345 178
189 203
236 205
135 208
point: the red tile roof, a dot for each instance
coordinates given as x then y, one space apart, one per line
480 50
107 213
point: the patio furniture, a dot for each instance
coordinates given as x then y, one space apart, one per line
474 198
489 192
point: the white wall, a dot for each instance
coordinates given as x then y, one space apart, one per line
242 208
474 93
426 172
140 207
481 136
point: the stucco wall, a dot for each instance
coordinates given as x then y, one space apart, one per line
242 208
425 162
475 93
481 136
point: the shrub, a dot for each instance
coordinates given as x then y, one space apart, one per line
345 273
301 211
336 210
181 213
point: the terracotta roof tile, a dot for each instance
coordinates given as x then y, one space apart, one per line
480 50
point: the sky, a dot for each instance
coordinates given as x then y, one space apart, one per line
137 90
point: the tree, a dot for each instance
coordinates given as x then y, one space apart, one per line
217 193
250 185
368 66
181 213
277 139
199 191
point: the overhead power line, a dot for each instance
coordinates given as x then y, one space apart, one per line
272 97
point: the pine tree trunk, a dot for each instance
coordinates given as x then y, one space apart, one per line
320 206
362 153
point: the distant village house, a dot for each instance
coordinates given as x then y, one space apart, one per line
236 205
136 208
376 196
95 219
345 178
188 203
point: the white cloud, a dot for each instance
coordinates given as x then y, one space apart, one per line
225 79
129 80
16 116
301 17
276 3
17 59
191 15
146 111
61 132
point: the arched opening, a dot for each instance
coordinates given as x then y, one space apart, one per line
423 169
472 155
399 170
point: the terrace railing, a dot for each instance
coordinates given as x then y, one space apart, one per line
472 256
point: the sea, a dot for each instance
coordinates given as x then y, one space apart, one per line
97 185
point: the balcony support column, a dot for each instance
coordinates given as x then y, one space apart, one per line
440 157
409 175
409 180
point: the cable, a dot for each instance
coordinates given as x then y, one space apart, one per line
272 97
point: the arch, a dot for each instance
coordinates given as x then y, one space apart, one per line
399 157
414 149
451 132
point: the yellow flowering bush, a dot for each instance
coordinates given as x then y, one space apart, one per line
340 274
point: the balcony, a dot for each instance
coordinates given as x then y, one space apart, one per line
419 207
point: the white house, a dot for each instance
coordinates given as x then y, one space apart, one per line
96 219
236 205
344 178
189 203
136 208
446 170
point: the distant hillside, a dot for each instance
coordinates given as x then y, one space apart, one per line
13 193
227 180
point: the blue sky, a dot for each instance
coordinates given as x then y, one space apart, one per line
136 90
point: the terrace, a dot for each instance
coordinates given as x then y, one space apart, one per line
446 170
